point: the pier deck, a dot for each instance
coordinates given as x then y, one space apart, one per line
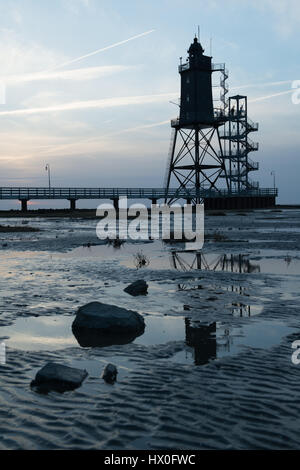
218 199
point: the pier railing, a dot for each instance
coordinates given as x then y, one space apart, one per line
131 193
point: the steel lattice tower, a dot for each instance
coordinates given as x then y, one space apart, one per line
238 145
196 157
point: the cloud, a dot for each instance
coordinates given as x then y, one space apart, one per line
18 56
111 103
286 14
93 104
74 6
88 73
70 147
28 148
16 15
90 54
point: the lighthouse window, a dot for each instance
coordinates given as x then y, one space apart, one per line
187 79
188 98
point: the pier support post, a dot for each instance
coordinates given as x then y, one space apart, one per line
116 207
72 204
24 205
116 204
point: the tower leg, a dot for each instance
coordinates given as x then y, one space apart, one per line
170 160
197 163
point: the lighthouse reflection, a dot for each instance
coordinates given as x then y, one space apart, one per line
206 341
202 339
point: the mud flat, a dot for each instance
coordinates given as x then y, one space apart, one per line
66 213
212 369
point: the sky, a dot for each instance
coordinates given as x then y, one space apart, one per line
86 87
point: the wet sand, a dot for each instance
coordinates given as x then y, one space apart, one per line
178 387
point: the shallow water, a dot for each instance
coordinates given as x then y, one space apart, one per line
55 333
227 342
219 330
165 256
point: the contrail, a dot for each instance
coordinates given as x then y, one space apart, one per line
69 62
261 98
143 126
76 74
87 73
253 85
113 102
99 104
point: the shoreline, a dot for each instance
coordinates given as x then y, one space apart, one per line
91 213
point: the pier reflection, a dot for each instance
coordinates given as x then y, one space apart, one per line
196 260
187 261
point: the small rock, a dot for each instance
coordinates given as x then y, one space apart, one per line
110 374
59 378
137 288
186 307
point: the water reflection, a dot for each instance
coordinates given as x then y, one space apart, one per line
243 310
92 338
116 243
262 261
237 289
205 343
141 260
288 260
202 338
187 261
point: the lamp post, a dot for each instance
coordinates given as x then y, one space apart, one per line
49 175
274 175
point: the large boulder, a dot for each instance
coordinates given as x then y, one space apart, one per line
139 287
98 324
59 378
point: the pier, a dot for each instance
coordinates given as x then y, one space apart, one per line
212 199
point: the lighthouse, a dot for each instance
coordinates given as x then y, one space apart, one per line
196 156
196 107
